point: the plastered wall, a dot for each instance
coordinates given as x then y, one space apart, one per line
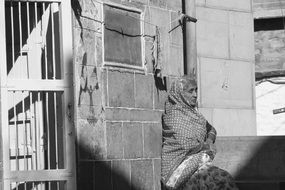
225 46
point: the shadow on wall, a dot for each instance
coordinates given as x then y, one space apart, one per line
255 162
100 175
93 172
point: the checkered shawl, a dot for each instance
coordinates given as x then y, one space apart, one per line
184 132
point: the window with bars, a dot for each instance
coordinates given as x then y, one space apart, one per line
32 36
123 33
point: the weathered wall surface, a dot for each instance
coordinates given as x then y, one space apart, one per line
269 51
225 46
272 8
119 110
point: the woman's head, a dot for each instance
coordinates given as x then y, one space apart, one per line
184 91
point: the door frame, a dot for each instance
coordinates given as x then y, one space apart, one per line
69 173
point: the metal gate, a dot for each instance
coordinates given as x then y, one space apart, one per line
36 95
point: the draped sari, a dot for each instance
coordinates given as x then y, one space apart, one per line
186 135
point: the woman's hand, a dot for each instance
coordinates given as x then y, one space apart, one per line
210 149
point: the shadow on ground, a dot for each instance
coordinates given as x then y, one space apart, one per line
255 162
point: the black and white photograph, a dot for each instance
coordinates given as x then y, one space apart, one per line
142 94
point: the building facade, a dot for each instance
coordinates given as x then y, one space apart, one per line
270 65
86 81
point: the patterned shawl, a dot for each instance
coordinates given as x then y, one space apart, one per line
184 129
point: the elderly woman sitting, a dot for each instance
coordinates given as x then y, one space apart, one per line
188 143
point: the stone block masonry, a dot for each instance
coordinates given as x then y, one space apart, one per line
119 110
133 129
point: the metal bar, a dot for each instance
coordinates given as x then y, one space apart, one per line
13 33
17 132
39 113
53 43
36 34
28 23
50 1
37 85
48 128
25 132
21 37
42 135
28 18
41 175
45 47
37 125
48 135
5 131
55 130
36 15
32 115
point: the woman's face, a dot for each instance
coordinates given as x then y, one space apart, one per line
189 95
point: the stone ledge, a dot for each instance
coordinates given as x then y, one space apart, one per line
139 115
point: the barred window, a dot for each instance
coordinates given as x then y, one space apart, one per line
122 37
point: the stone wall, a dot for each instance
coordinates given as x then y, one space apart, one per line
225 46
118 109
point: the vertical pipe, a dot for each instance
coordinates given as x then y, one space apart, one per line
190 29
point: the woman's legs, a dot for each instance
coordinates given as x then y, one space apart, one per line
212 178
